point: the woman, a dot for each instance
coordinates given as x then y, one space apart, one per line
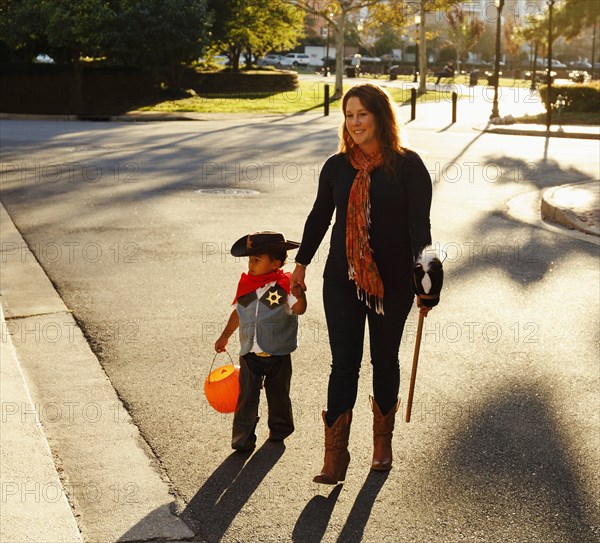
381 194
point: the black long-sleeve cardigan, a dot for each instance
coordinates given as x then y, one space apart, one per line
400 226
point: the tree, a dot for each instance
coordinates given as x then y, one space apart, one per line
395 12
336 13
68 30
254 27
148 33
158 35
535 32
22 29
465 31
572 16
511 42
387 41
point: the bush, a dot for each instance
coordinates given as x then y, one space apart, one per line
581 98
240 83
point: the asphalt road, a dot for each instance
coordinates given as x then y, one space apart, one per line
504 441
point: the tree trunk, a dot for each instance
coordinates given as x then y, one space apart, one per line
339 56
248 58
234 54
175 74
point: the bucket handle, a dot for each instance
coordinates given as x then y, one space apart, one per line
213 362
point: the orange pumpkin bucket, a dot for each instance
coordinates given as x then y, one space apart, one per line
222 386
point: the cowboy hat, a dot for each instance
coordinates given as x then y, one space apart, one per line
258 242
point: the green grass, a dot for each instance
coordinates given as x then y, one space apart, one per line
309 96
566 118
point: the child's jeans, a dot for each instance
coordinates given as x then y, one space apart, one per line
276 374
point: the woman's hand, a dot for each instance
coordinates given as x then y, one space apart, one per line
298 276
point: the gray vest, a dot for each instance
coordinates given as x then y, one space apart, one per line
276 331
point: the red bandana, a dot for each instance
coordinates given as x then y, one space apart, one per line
249 283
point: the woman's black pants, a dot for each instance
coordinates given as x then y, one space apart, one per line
346 316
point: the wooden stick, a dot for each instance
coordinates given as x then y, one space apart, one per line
413 375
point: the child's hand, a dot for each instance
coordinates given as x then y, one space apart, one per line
297 291
221 344
298 276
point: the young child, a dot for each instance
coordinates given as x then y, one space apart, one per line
266 313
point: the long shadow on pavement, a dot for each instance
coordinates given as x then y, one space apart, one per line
523 254
214 507
312 522
353 530
513 463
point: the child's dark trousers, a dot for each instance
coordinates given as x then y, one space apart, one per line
276 374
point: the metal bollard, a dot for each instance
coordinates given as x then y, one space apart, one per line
454 100
413 104
326 100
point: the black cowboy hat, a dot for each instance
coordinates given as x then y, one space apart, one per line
256 243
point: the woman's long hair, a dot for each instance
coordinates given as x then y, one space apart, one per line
378 102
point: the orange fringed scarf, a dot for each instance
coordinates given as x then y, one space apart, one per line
362 268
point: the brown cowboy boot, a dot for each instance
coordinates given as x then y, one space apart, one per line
383 427
337 456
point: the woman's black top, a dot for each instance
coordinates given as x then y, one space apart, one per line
400 227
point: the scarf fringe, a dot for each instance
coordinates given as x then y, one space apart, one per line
366 297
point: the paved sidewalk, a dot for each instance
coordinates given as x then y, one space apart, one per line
61 415
575 206
34 503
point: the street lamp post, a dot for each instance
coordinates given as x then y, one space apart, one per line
594 50
327 50
549 71
417 23
495 112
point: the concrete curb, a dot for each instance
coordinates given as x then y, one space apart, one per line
36 117
525 208
552 211
150 116
108 473
541 133
32 493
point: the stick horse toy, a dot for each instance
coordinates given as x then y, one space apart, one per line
427 280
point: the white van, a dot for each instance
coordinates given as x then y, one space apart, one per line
295 59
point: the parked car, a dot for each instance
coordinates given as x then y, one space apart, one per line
295 59
581 65
579 76
221 60
269 60
541 76
543 63
44 59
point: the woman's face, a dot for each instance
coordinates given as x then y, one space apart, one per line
360 124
